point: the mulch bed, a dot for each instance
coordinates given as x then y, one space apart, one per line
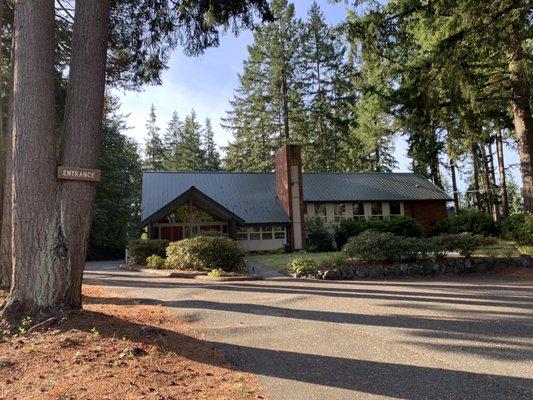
116 349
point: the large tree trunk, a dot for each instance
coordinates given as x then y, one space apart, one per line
83 127
487 183
5 269
475 172
501 171
523 121
5 231
38 250
454 186
497 212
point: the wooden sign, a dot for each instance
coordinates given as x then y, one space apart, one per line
78 174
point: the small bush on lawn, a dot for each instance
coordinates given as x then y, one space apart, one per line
335 260
215 273
518 228
155 262
302 265
464 243
139 250
318 237
206 253
400 225
471 221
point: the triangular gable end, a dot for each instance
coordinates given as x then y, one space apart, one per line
200 200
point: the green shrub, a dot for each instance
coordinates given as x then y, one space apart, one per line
139 250
215 273
155 262
441 245
518 228
463 243
373 246
467 243
211 234
470 221
318 237
205 253
302 265
334 260
399 224
348 228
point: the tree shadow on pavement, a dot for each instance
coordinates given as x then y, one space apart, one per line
370 377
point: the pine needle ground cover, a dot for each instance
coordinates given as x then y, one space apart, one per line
116 349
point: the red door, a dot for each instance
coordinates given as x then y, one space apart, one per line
171 233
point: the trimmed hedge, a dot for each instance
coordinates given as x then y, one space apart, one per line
139 250
206 253
372 246
470 221
400 225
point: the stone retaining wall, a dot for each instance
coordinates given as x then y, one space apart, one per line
422 268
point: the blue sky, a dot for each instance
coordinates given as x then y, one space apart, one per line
206 83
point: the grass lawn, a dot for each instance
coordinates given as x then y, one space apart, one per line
500 248
280 261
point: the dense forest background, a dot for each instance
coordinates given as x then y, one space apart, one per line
450 80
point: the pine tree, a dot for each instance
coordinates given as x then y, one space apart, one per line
154 149
191 155
211 154
324 81
449 66
267 109
172 142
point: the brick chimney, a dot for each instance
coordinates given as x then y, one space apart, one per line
289 190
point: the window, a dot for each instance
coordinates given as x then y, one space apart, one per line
395 209
255 233
242 233
320 210
266 233
377 210
340 211
279 232
358 210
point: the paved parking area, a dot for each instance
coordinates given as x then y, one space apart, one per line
468 337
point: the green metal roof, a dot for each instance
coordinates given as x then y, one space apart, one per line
252 196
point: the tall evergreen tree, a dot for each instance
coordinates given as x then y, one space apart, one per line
324 82
464 59
116 211
172 142
191 155
267 109
154 150
211 154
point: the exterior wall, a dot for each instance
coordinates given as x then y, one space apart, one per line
426 213
262 238
262 245
289 191
330 210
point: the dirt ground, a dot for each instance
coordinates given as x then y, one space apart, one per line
116 349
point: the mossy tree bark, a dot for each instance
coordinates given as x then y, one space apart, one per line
51 220
83 127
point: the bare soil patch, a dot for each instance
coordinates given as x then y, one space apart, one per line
116 349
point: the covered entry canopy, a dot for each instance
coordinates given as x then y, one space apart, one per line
200 200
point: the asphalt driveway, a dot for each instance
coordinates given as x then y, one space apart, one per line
468 337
